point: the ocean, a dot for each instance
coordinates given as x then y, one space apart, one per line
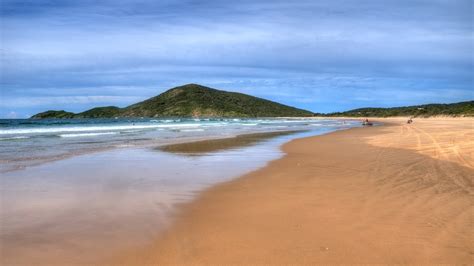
28 142
72 187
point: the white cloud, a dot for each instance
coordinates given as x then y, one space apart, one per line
18 102
86 53
11 115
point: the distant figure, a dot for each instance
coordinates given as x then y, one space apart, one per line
410 121
367 123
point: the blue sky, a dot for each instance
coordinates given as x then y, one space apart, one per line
324 56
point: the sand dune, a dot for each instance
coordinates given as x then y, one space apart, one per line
393 194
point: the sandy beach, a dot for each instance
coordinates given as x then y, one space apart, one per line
397 193
64 212
258 132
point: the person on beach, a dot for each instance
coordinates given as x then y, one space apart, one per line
366 122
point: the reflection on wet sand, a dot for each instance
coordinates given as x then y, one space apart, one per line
84 209
215 145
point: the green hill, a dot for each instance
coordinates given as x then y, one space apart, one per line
426 110
54 114
190 100
194 100
100 112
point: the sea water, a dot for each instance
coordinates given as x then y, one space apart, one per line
27 142
83 191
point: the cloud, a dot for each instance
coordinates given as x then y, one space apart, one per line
12 102
286 51
11 115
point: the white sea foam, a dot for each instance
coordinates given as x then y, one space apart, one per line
91 128
156 124
14 138
165 121
134 131
192 130
283 121
86 134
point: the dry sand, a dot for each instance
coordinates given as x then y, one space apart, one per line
392 194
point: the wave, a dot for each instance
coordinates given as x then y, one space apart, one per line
192 130
283 121
166 121
155 124
14 138
91 128
86 134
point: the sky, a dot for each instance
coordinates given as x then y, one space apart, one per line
323 56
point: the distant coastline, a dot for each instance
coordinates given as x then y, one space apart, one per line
193 100
459 109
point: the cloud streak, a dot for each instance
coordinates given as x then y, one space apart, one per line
321 49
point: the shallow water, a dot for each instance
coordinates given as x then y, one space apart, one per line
89 207
28 142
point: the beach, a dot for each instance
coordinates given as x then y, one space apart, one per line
398 193
86 207
261 132
308 191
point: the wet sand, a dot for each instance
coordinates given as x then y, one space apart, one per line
392 194
85 209
203 147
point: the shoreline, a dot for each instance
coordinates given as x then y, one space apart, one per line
17 153
148 144
205 146
132 196
264 217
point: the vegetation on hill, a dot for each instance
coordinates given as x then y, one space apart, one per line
100 112
192 100
195 100
54 114
426 110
